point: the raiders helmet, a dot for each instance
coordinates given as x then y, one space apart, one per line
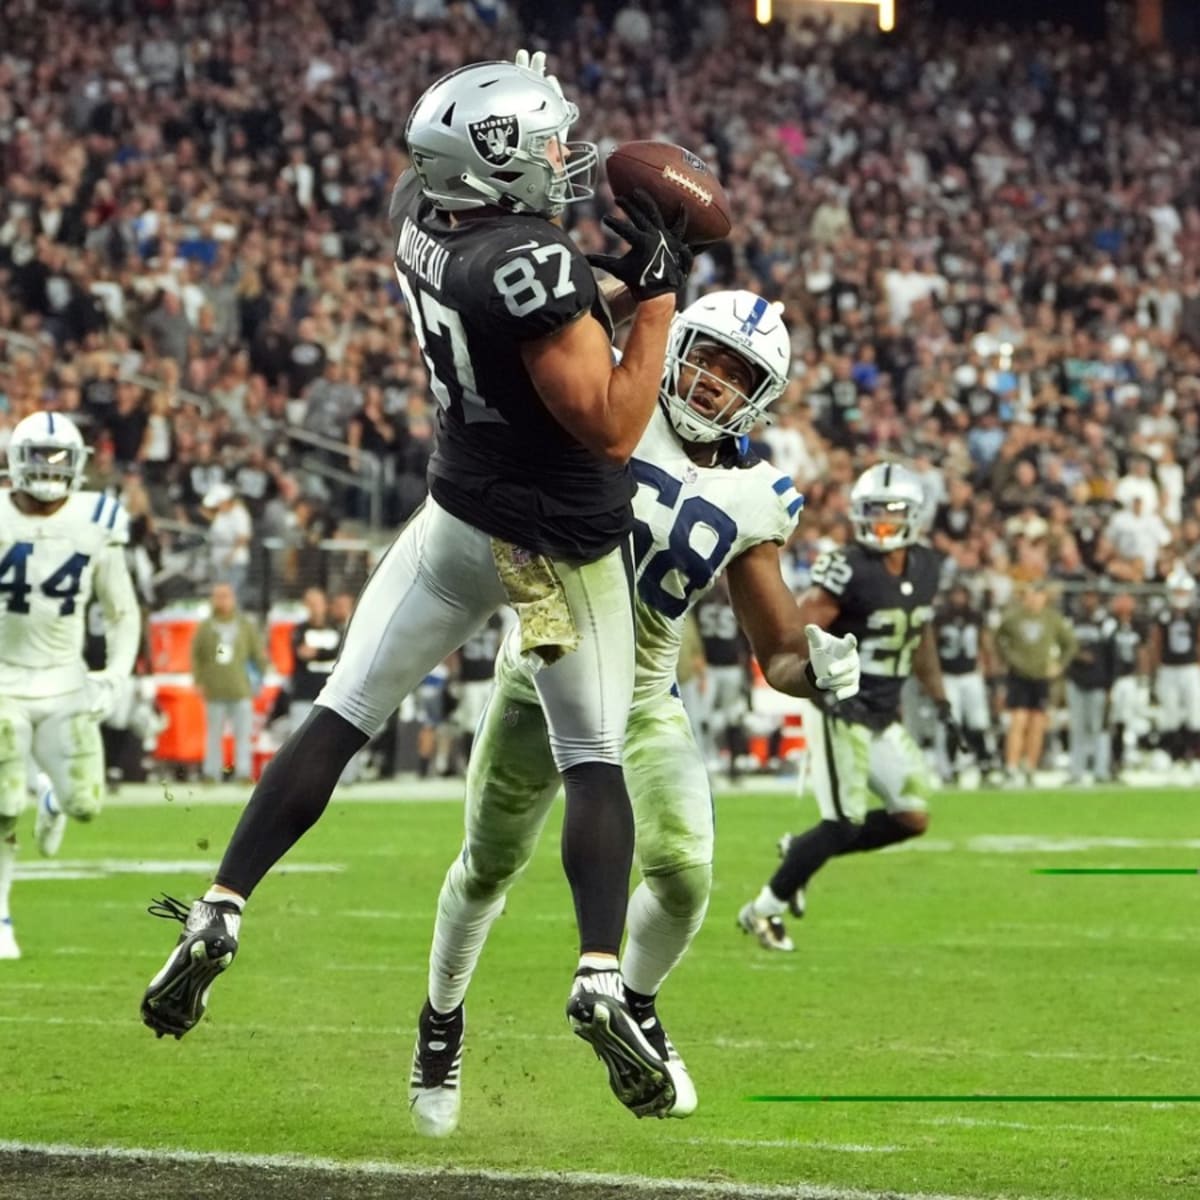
887 507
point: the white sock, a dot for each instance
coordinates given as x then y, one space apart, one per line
216 895
767 904
459 934
8 867
657 940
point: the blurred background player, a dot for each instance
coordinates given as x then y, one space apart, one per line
704 506
1035 643
726 683
964 648
1130 697
1089 678
57 546
315 644
1175 664
474 670
880 589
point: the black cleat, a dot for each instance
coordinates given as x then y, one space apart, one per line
177 996
637 1074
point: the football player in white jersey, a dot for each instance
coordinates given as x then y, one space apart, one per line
704 506
58 545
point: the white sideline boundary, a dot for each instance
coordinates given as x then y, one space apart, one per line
642 1183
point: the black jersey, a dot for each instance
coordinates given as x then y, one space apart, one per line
959 634
720 632
503 464
478 655
310 674
887 614
1092 665
1178 637
1126 641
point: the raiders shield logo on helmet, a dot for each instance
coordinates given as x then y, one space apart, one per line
495 139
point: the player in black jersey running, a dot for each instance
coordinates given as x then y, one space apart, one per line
881 589
530 505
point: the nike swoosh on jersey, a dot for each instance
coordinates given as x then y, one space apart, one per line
522 246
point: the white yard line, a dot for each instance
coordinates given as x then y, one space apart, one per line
513 1035
796 1190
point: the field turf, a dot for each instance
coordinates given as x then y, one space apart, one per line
947 968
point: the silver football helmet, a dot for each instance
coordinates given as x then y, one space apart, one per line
480 136
1181 588
887 507
46 456
752 329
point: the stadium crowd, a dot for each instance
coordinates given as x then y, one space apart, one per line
987 247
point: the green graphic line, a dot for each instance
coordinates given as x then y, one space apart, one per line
974 1098
1116 871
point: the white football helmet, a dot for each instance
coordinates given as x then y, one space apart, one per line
752 329
46 456
1181 588
887 507
480 134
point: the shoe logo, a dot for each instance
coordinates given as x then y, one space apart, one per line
658 264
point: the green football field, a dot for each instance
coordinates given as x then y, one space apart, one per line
944 969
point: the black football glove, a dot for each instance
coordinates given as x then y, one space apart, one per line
954 734
658 260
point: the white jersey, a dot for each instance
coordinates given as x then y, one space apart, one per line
48 567
690 523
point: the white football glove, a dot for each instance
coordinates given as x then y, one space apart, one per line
536 62
105 694
834 661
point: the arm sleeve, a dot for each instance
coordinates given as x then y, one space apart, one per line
123 618
538 286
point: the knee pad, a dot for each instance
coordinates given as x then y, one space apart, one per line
79 782
13 773
486 872
683 893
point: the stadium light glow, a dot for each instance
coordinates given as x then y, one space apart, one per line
762 11
886 10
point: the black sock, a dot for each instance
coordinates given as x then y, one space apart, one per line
878 830
977 745
808 853
639 1003
1117 747
289 798
597 852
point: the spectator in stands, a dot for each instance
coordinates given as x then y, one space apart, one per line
228 664
229 535
1036 644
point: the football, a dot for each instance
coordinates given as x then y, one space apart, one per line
679 181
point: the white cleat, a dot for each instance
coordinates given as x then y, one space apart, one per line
8 940
685 1090
51 822
434 1090
771 932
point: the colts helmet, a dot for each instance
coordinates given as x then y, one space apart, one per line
887 507
46 456
752 329
480 134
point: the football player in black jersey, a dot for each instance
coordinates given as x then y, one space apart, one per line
1129 700
530 505
1175 659
965 653
881 589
